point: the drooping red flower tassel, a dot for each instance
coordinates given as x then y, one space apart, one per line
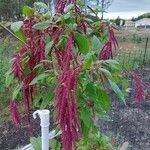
65 99
14 113
107 50
139 88
16 67
67 114
34 49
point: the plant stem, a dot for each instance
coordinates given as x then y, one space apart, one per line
12 33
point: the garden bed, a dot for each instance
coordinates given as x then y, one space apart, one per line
130 123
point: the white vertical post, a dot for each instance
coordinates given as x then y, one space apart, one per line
44 117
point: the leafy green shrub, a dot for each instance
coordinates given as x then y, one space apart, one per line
64 61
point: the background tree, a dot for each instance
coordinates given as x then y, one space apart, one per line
100 5
11 8
119 22
7 9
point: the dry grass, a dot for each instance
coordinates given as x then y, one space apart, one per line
132 47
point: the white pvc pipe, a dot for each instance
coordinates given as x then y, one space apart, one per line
44 117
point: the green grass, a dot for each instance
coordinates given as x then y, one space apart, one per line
132 58
7 48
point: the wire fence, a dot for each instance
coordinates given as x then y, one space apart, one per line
134 50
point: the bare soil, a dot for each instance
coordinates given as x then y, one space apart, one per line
11 138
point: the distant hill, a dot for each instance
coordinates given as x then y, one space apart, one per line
146 15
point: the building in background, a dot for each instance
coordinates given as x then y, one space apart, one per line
143 23
129 24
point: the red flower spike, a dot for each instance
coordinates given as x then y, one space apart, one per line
14 113
83 26
139 88
65 99
16 67
107 50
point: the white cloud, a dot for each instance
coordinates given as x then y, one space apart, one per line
127 8
123 15
129 5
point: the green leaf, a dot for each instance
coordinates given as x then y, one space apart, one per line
16 26
103 100
36 100
88 61
51 79
55 145
39 78
16 91
96 43
46 101
125 84
106 72
9 78
40 5
72 26
91 91
111 61
49 44
85 129
21 35
48 47
28 11
116 89
36 143
47 15
41 25
68 8
85 116
83 43
113 64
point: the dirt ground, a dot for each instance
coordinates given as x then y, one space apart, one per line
10 138
131 123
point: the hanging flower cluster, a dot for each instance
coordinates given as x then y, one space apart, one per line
107 50
65 97
34 51
15 113
139 88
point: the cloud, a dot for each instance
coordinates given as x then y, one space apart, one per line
129 5
123 15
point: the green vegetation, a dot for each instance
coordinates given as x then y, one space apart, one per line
7 48
59 62
146 15
71 72
12 9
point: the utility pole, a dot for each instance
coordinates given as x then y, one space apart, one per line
102 10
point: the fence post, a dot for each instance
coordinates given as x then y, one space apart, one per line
145 50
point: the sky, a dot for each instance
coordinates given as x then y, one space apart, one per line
126 9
